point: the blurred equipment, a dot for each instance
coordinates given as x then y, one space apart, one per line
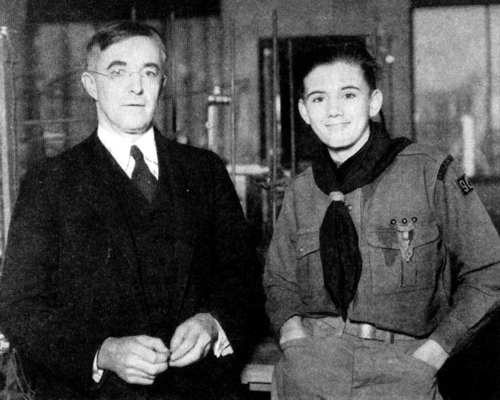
216 101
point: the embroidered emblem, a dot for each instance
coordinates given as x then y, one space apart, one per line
444 167
464 184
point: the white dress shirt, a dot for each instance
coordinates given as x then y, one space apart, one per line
119 148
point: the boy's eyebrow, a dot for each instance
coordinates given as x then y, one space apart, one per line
315 92
348 87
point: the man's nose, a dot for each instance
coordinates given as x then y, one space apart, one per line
135 82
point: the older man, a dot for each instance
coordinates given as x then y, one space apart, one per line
128 271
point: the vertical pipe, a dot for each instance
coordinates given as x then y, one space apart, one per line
173 77
489 75
267 100
133 13
390 83
11 114
233 102
274 156
468 143
4 137
291 108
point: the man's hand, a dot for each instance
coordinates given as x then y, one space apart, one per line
192 340
292 329
135 359
431 353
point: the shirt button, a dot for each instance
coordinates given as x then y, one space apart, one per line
349 207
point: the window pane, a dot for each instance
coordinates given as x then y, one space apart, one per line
457 94
495 86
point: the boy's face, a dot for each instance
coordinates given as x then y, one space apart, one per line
338 104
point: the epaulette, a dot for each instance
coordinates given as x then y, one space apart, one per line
444 167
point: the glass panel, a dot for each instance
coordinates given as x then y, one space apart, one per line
457 94
495 85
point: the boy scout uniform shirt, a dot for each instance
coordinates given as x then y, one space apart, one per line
412 221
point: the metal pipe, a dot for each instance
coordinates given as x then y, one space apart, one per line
173 78
388 58
4 137
11 61
233 102
133 13
274 155
489 75
214 103
291 108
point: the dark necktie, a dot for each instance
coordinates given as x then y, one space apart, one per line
142 177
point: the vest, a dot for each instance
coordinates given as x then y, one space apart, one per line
154 249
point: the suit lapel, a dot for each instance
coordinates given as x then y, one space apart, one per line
175 187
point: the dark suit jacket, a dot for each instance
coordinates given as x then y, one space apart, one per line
71 276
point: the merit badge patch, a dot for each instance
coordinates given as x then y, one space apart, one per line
464 184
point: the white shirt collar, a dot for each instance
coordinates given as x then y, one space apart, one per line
120 149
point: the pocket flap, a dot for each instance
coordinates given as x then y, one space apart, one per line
307 242
388 237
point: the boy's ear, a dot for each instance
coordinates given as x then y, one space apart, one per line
303 112
376 100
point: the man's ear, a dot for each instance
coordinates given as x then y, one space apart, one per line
89 84
376 100
303 112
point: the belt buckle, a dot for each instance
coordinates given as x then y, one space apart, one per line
367 331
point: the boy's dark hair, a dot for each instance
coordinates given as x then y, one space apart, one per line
351 52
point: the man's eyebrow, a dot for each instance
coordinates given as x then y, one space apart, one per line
116 63
151 64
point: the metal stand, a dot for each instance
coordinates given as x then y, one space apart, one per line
7 155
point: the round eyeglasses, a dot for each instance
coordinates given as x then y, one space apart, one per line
148 74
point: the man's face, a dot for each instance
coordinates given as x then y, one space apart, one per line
126 102
338 104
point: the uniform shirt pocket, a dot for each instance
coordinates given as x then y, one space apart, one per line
309 270
390 272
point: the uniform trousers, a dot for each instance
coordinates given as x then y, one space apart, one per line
333 365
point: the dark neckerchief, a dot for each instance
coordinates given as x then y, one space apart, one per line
339 251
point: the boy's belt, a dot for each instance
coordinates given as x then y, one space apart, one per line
371 332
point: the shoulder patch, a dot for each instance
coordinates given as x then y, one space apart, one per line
464 184
444 167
